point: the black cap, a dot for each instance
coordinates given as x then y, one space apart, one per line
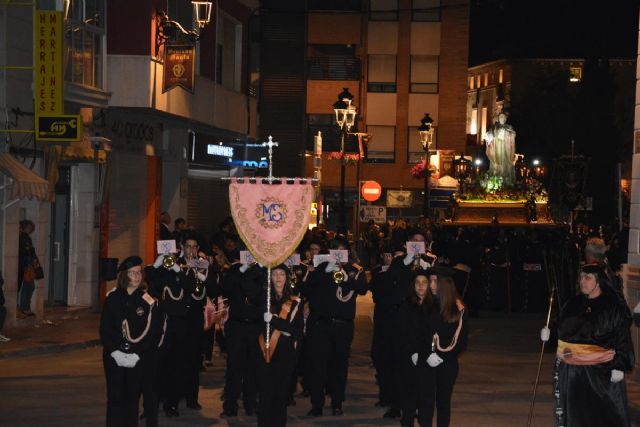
442 271
130 262
284 268
423 272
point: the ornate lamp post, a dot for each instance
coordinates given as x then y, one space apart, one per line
426 131
345 118
538 170
202 12
462 170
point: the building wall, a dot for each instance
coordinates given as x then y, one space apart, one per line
401 108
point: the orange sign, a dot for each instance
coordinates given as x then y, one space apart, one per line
48 76
371 191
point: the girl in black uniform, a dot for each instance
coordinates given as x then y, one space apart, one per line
275 369
449 340
416 319
129 330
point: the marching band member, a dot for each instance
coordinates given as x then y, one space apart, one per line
277 364
594 351
332 290
196 283
449 340
382 289
129 330
416 322
241 334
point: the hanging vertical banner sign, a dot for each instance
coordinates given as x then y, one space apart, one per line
47 73
179 66
271 219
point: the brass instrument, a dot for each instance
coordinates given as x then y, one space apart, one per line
416 263
338 277
168 261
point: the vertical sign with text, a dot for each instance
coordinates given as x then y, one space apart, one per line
48 78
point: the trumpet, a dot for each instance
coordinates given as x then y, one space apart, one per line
416 263
338 277
168 261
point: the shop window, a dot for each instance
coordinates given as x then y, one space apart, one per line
425 10
383 10
381 147
424 74
382 73
85 42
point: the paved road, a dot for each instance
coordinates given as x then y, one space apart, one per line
493 389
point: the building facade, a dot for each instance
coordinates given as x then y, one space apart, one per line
399 60
144 148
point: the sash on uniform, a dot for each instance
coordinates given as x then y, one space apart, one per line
271 219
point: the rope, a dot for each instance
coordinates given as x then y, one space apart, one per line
168 291
454 341
127 333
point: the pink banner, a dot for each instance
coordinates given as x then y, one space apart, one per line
271 219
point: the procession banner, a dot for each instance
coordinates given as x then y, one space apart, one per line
271 219
179 67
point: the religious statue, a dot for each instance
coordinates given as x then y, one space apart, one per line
501 149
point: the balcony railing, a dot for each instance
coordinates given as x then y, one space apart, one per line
332 68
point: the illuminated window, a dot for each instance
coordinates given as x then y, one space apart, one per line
500 75
478 81
486 79
483 123
471 83
575 74
473 126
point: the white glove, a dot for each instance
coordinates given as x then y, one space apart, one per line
267 316
434 360
545 333
121 358
159 260
414 359
330 268
176 268
201 276
243 268
408 259
346 276
616 376
132 359
636 310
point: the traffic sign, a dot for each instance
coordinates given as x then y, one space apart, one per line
376 213
371 191
59 128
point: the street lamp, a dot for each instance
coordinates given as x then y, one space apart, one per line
426 130
202 12
345 118
462 169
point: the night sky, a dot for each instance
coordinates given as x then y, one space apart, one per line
552 29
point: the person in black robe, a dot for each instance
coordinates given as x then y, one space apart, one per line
594 351
277 364
416 322
130 327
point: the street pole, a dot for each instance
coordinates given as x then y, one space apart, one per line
426 204
343 218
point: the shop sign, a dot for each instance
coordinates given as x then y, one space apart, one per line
59 128
48 84
179 67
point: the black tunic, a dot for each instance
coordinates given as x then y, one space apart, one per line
585 395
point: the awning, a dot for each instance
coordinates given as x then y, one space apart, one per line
26 183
